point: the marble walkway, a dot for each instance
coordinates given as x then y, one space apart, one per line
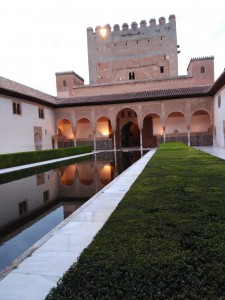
40 267
219 152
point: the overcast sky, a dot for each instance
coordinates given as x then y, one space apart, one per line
42 37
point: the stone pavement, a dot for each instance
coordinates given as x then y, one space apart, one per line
219 152
41 266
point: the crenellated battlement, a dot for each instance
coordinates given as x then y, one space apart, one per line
114 52
133 27
202 58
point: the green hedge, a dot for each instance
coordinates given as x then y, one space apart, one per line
23 173
23 158
165 240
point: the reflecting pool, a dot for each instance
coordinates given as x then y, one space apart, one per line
34 201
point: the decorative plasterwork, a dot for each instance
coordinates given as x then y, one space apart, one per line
63 114
102 111
175 106
81 113
151 108
199 104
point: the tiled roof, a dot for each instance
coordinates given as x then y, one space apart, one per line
69 72
16 89
135 96
219 83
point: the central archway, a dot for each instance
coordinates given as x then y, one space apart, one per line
127 130
130 135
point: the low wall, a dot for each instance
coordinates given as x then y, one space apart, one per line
195 139
100 144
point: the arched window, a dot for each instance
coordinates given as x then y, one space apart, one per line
64 83
202 69
16 108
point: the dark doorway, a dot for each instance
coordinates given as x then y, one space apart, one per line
149 140
130 135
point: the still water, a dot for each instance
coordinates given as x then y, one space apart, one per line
34 201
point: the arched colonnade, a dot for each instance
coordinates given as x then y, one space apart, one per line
144 124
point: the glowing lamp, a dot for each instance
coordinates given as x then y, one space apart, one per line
103 32
105 132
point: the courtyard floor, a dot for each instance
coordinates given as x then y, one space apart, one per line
38 269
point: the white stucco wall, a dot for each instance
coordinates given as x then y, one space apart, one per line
17 131
219 119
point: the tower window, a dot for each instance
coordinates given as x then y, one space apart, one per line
64 83
161 69
131 76
202 69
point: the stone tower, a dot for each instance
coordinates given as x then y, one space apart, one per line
137 53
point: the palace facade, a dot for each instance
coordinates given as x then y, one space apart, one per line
135 97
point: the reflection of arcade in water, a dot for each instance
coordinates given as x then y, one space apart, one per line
32 206
85 179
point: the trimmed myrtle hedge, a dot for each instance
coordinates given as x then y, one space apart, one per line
165 240
23 158
23 173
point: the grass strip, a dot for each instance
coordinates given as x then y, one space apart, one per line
165 240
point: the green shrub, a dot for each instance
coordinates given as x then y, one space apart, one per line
23 158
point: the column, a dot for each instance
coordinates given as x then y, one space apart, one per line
114 140
164 134
189 136
141 145
94 141
55 141
75 140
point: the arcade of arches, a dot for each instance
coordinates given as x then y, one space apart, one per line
143 125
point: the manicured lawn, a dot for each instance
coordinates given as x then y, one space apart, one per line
165 240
